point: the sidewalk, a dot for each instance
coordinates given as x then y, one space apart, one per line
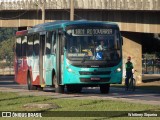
150 78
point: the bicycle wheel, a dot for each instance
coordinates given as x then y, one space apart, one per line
132 84
126 86
129 84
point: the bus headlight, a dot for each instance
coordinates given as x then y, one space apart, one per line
118 70
69 69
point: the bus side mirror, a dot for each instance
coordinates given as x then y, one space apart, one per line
122 40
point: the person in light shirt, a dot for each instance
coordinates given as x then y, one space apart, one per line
100 51
101 47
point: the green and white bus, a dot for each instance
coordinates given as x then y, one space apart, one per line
72 54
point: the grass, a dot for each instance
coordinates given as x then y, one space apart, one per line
15 102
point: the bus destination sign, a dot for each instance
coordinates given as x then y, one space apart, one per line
95 31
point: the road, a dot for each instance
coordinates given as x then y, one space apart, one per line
7 84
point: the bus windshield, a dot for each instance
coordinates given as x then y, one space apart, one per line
93 44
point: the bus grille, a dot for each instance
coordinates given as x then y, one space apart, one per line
95 73
89 80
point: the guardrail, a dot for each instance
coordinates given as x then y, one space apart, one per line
151 66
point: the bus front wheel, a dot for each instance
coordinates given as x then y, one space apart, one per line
104 88
29 82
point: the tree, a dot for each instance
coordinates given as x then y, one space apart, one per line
6 33
6 49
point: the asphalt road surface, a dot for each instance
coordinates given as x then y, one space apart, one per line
7 84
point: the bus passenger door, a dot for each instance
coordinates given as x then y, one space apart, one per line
59 57
41 58
48 63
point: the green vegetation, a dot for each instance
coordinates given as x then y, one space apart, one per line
6 53
6 33
6 46
6 49
15 102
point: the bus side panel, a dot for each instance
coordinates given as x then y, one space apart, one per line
23 71
34 78
35 70
33 63
19 71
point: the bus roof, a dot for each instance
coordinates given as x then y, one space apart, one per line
20 33
64 23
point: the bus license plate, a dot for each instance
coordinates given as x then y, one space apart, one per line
95 79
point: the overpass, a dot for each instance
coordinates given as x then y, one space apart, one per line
134 17
131 15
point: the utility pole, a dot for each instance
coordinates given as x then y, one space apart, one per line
71 9
43 11
41 5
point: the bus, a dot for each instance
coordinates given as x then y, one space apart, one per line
71 54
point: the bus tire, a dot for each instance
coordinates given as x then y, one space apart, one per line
104 88
74 88
29 82
58 88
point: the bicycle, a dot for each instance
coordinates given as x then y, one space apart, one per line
131 83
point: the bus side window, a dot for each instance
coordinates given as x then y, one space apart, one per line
62 38
30 46
24 46
43 38
48 42
54 43
36 44
18 47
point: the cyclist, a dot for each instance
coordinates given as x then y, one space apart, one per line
129 73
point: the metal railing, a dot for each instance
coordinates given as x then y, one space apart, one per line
151 66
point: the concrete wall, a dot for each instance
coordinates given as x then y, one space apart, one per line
132 47
134 21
